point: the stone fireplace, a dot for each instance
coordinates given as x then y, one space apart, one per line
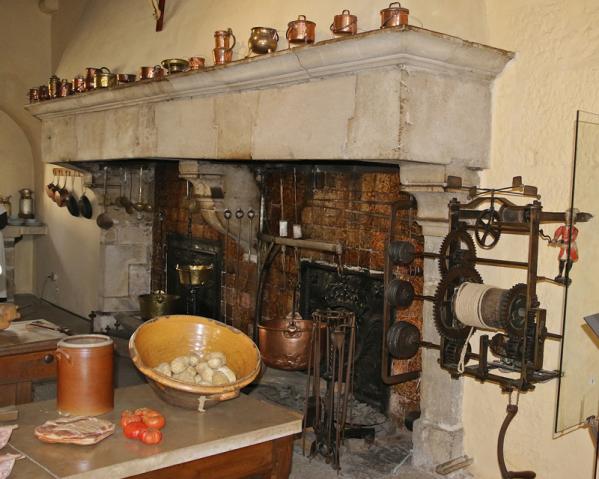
413 104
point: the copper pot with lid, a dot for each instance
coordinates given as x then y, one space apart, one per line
345 24
301 31
394 15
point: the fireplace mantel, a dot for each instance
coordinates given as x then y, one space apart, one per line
393 95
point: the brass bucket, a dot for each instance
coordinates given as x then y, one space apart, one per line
157 304
194 274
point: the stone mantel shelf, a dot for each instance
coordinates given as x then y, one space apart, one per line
11 232
404 45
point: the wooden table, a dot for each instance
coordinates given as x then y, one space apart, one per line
26 355
241 438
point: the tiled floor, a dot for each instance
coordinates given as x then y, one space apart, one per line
387 458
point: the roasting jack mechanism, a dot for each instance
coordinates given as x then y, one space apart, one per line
511 350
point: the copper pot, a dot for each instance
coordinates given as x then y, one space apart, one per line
104 78
34 95
90 75
66 88
222 56
43 93
285 344
78 84
85 367
263 40
345 24
301 30
53 86
61 194
147 73
394 16
196 63
125 78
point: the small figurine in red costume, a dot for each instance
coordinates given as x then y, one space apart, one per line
565 238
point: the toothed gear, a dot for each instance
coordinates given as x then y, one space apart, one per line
445 321
487 228
513 309
463 255
452 352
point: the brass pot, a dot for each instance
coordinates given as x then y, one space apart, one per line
104 78
345 24
263 40
156 304
175 65
394 16
301 30
194 274
285 344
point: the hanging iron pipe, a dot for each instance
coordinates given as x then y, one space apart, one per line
335 248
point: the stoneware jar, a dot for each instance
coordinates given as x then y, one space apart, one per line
85 367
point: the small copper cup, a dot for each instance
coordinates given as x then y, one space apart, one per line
66 88
78 84
147 73
125 78
196 63
34 95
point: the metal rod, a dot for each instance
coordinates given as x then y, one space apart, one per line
488 261
336 248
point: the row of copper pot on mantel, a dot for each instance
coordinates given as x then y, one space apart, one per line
262 40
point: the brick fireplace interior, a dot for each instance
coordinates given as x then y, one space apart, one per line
349 203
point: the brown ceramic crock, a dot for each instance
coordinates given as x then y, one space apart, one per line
85 367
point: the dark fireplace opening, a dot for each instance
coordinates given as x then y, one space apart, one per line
202 300
360 292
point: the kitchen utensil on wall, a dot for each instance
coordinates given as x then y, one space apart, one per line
71 201
175 65
223 49
139 205
104 78
297 227
227 214
394 15
5 202
251 214
60 196
53 86
196 63
125 78
301 31
85 206
263 40
104 220
90 75
84 375
283 231
55 189
344 24
50 186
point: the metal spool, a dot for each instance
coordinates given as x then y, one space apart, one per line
403 340
401 252
400 293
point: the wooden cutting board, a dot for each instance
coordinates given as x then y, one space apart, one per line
21 337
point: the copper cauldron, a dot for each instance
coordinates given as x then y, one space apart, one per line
344 24
394 15
285 343
263 40
301 30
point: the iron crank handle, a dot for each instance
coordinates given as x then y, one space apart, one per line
512 410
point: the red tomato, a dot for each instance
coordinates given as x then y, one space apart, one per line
133 430
154 419
128 417
150 436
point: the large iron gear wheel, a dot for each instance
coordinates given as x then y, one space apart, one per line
487 228
512 309
445 322
463 255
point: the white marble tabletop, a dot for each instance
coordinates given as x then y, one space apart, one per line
188 435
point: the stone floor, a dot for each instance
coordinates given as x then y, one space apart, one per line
388 457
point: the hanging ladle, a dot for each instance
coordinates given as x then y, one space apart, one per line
104 221
139 206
